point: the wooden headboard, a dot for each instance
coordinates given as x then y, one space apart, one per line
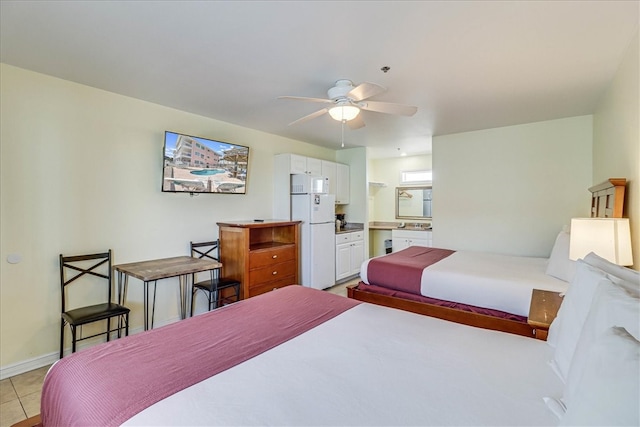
607 199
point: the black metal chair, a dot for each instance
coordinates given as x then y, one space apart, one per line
96 267
214 286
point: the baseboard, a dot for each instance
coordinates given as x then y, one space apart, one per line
348 279
50 358
27 365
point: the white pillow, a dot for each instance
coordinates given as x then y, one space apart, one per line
621 276
559 265
612 306
564 331
608 393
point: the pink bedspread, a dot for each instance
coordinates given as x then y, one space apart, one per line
402 270
107 384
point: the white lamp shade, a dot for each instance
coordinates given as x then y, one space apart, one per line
609 238
344 112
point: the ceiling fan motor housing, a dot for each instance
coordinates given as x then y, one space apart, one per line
340 90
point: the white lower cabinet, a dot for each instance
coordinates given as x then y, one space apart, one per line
402 239
349 254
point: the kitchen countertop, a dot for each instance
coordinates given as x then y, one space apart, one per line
381 225
350 228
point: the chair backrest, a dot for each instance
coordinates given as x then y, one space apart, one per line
75 267
207 250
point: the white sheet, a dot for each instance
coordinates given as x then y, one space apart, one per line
499 282
376 366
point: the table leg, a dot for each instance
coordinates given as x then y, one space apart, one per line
123 284
153 304
184 295
145 305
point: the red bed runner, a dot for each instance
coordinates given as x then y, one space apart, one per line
402 270
107 384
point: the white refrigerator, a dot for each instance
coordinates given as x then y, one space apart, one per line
317 238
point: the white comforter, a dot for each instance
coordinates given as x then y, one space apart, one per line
371 366
499 282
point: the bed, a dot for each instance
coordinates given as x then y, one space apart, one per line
300 356
482 286
480 289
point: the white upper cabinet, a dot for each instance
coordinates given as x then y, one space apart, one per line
330 170
342 184
306 165
314 166
297 164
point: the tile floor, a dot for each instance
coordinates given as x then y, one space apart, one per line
20 395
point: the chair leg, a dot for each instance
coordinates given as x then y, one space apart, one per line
126 326
73 339
108 329
210 300
216 297
61 339
193 300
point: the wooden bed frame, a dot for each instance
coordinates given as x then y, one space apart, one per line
607 201
446 313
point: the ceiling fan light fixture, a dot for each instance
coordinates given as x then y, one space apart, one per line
344 112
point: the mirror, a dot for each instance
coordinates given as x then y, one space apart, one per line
413 202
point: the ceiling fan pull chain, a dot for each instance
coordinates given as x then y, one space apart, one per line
343 122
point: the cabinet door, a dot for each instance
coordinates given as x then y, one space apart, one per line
314 166
330 169
343 260
342 184
419 242
399 243
297 164
357 256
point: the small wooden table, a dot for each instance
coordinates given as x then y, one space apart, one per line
154 270
544 308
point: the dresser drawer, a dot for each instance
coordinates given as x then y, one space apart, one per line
266 257
270 286
272 272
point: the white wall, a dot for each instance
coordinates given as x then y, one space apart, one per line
510 190
616 138
81 172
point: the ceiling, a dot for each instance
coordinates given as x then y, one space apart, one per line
466 65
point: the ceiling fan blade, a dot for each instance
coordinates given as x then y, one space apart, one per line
303 98
389 108
310 116
365 90
356 123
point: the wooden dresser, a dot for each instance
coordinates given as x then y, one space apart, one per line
262 255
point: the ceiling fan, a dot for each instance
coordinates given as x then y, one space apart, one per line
347 100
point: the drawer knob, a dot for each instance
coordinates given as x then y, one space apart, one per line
275 256
274 273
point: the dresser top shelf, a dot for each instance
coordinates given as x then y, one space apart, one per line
258 224
269 245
